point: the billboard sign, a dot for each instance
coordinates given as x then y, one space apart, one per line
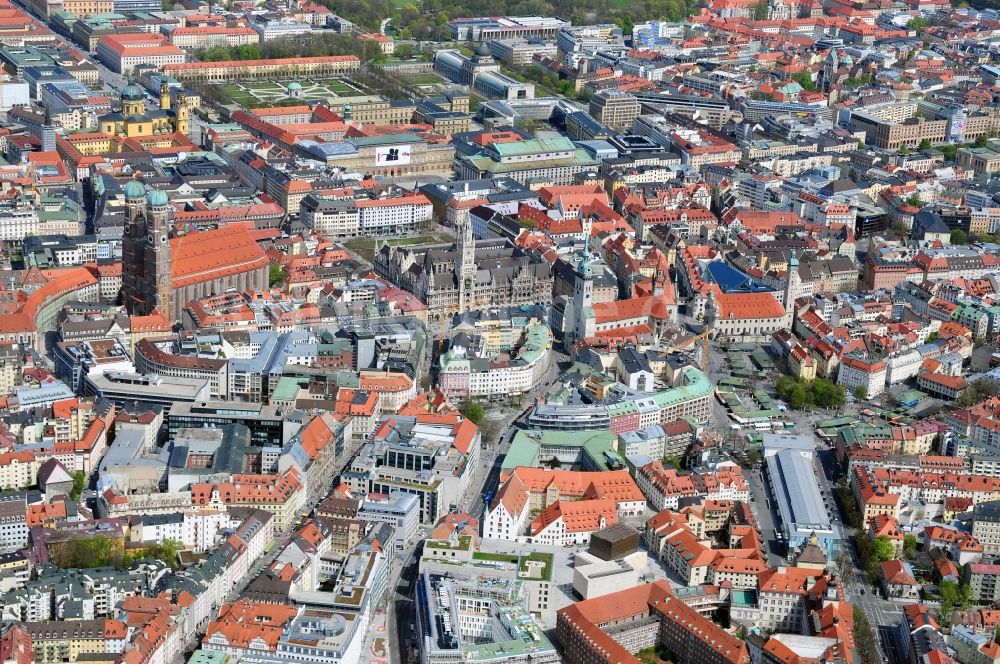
394 155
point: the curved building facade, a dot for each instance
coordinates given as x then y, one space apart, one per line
690 397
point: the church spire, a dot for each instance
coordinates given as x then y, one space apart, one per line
466 264
793 284
585 270
830 67
583 323
584 267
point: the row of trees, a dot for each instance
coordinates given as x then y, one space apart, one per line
311 45
985 237
803 395
429 19
79 483
864 638
871 552
958 236
950 151
849 504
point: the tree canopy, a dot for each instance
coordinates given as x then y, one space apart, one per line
802 395
429 19
804 78
276 274
79 482
758 10
312 45
883 549
953 597
101 551
473 411
864 639
979 390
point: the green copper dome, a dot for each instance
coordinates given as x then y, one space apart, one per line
157 198
134 189
132 92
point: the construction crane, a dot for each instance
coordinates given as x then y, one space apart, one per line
691 341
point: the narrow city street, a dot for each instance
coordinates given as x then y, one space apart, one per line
400 609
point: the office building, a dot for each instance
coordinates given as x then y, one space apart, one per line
472 618
400 510
615 109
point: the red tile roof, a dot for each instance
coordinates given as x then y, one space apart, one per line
58 283
244 622
746 306
615 484
207 255
894 572
578 516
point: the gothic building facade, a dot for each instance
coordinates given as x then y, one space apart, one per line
467 275
162 271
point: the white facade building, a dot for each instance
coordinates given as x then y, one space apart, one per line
17 224
400 510
858 372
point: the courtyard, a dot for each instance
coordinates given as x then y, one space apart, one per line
255 94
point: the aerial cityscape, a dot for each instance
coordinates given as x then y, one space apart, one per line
525 332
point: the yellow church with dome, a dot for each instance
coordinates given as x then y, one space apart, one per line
134 120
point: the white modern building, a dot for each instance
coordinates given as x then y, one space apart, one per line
593 576
347 218
471 620
400 510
